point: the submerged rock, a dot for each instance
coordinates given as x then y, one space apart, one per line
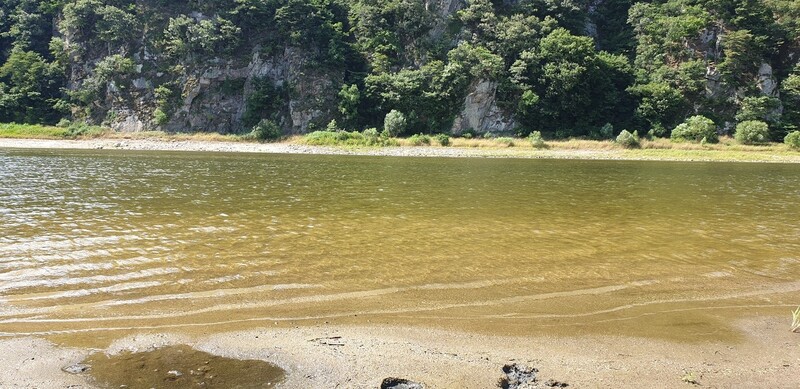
77 368
400 383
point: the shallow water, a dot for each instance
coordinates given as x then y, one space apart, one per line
98 244
180 367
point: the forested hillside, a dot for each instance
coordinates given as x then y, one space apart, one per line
562 67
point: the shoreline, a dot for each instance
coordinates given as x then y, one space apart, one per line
181 145
361 357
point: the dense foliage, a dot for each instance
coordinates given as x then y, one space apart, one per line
560 68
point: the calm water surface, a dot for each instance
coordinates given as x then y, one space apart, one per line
102 242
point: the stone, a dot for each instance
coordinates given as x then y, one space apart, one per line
518 377
400 383
77 368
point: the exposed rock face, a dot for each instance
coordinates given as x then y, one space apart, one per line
767 83
444 10
206 104
481 113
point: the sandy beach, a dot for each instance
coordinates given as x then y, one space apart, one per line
361 357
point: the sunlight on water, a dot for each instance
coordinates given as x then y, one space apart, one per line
96 241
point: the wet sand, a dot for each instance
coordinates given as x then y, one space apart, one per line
361 357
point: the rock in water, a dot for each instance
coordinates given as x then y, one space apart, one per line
400 383
77 368
518 377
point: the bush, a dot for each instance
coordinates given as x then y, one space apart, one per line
793 140
368 137
394 123
505 141
371 132
602 133
77 129
628 140
694 129
420 139
443 139
332 126
536 140
658 131
160 117
266 130
64 123
752 132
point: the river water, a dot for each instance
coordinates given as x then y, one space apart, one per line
97 244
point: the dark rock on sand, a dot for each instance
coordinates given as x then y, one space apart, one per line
555 384
523 377
518 377
400 383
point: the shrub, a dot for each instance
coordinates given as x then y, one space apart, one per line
266 130
536 140
77 129
420 139
443 139
64 123
332 126
394 123
793 140
505 141
658 131
628 140
488 135
694 129
160 117
752 132
371 132
605 132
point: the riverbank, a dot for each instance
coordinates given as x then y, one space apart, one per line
573 149
361 357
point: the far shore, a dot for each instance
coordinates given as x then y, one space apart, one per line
573 149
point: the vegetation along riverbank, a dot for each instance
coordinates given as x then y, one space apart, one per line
341 142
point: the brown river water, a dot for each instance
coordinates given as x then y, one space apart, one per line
95 245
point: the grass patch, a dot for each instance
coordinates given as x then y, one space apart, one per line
36 131
31 131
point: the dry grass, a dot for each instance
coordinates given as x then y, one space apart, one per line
165 136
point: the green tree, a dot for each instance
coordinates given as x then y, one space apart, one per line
395 123
30 89
349 100
566 84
